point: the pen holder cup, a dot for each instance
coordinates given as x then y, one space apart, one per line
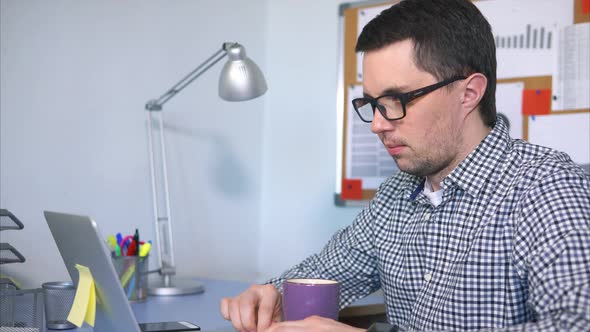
58 299
133 275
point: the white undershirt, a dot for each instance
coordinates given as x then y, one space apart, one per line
435 197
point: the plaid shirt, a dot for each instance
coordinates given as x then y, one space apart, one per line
508 245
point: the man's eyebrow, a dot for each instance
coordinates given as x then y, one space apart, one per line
392 90
396 89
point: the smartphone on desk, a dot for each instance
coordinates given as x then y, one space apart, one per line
179 326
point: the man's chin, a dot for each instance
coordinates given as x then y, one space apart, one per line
410 168
401 165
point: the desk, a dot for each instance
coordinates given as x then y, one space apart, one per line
203 309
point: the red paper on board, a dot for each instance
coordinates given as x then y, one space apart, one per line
585 6
536 101
352 189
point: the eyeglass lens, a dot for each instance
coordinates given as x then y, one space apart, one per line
389 106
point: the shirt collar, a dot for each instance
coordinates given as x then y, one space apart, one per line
482 164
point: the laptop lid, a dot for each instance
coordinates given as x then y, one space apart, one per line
79 241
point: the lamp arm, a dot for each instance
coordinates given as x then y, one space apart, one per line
156 104
157 156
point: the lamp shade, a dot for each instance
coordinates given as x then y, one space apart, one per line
240 78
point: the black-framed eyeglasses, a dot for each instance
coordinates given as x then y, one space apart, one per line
392 106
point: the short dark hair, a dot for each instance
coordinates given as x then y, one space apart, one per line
451 37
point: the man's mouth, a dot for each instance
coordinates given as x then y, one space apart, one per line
395 150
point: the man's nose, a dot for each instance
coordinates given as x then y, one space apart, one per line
379 123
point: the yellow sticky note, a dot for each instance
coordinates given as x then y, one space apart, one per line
84 306
91 311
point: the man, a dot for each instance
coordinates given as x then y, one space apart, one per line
477 231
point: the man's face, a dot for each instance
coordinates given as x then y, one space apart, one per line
427 141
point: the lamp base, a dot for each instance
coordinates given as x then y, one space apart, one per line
168 286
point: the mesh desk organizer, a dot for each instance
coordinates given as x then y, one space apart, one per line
21 310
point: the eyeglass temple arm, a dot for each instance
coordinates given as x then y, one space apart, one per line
417 93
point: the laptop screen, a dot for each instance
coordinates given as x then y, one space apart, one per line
79 242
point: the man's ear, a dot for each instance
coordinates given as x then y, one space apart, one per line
475 87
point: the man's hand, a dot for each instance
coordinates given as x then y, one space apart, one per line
312 324
253 310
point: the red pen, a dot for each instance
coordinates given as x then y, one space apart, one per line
132 250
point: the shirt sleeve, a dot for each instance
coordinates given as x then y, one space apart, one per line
552 252
349 258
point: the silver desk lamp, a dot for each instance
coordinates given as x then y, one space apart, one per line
240 80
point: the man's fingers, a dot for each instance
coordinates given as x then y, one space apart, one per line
258 305
234 315
247 306
266 311
224 308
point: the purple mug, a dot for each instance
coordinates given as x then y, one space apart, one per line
308 297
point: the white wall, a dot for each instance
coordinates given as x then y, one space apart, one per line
251 183
298 212
74 79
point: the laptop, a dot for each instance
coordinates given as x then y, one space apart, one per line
79 241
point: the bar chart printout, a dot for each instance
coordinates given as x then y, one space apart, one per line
532 38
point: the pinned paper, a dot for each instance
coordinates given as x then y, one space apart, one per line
585 6
352 189
536 101
84 306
